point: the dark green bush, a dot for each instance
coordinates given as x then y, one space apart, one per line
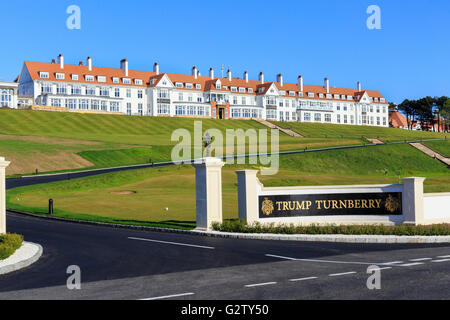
400 230
9 243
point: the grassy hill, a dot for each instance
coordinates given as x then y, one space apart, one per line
166 196
54 141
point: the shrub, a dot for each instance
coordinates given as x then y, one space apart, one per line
9 243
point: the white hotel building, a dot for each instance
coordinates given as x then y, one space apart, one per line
85 88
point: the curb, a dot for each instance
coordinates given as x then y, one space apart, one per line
263 236
24 262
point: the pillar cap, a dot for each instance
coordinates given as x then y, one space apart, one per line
208 162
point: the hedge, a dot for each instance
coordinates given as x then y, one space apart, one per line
9 243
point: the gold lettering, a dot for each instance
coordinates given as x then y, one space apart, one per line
293 205
279 204
371 203
324 204
308 204
343 204
285 205
351 204
334 204
318 202
378 201
364 203
357 204
300 205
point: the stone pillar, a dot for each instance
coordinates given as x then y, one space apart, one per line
248 186
208 182
412 200
3 165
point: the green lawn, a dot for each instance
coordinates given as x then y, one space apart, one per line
352 131
165 196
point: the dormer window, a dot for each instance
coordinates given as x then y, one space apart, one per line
101 78
260 90
198 86
126 80
382 100
89 78
188 85
225 87
349 97
336 96
138 82
320 95
43 75
59 76
292 93
178 85
242 90
311 94
250 90
329 96
300 94
375 99
219 85
233 89
115 80
75 77
282 92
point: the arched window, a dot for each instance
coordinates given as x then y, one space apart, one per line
6 97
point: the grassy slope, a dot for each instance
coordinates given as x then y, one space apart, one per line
352 131
174 187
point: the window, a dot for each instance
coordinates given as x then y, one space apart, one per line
282 93
89 78
117 92
338 107
128 93
311 94
292 93
180 96
233 89
352 119
235 113
199 98
128 108
71 104
329 96
43 75
320 95
250 90
271 114
60 76
384 121
95 104
46 87
188 85
190 97
61 88
198 86
115 80
103 105
349 97
327 117
75 77
90 91
163 108
235 100
76 90
101 78
244 101
163 94
345 118
219 85
6 97
307 116
55 102
104 91
242 90
140 112
336 96
84 104
126 80
114 106
317 117
139 94
345 107
138 82
384 109
178 85
338 118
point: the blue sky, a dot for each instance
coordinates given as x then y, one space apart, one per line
407 58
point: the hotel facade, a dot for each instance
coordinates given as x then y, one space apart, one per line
84 88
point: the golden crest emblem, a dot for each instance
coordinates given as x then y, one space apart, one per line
392 204
267 207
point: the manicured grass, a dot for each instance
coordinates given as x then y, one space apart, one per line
400 230
352 131
166 195
9 243
443 147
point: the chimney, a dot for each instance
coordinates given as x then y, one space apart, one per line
156 68
80 63
124 66
198 73
246 76
280 79
211 73
358 86
327 85
53 60
194 72
61 61
89 63
261 77
300 83
229 75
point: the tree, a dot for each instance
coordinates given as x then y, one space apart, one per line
445 114
407 107
439 102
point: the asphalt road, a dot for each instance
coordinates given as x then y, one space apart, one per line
130 264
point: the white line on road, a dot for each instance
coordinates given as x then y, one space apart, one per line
393 262
174 243
259 284
444 256
171 296
420 259
341 274
332 261
385 268
440 260
410 264
302 279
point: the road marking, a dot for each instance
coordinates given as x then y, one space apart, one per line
420 259
444 256
174 243
440 260
332 261
393 262
385 268
410 264
341 274
259 284
171 296
302 279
